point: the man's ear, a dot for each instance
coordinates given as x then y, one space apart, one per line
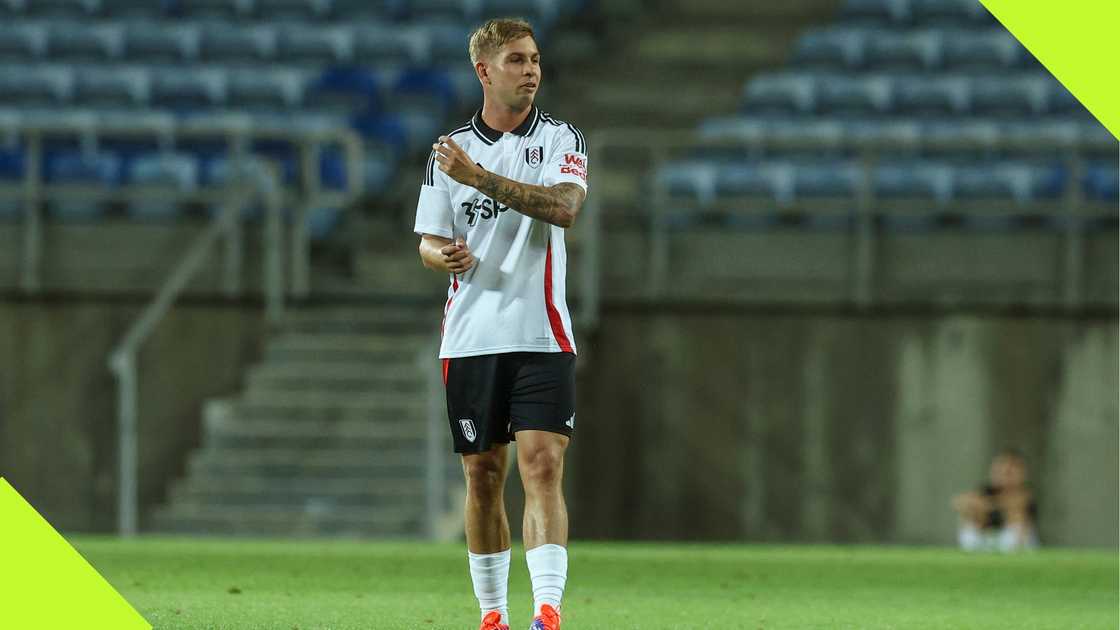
483 75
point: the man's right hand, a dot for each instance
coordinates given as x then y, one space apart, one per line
457 256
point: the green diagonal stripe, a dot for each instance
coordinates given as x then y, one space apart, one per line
1077 41
45 584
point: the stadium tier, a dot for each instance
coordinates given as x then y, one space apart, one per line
394 71
936 99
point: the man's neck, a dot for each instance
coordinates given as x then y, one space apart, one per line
502 118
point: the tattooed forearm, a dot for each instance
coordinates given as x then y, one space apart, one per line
557 204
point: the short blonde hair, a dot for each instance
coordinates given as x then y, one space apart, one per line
489 38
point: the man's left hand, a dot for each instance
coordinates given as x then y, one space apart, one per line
454 161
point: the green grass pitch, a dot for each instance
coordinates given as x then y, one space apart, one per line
287 585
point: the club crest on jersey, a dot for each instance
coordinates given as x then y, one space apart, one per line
534 156
468 429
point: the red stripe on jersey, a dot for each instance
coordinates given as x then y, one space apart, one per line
446 365
553 314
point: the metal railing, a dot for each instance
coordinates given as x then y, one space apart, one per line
250 178
648 152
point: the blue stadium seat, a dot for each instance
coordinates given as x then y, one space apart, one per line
964 135
688 180
541 13
429 90
62 8
12 161
781 93
344 90
454 10
292 10
88 168
1018 181
389 44
1102 181
322 222
989 49
915 179
826 179
189 89
1011 96
854 95
154 42
901 136
358 10
111 87
872 11
379 167
905 50
270 89
136 9
968 12
447 42
842 48
771 179
37 87
937 95
71 41
174 170
314 45
22 41
385 129
216 9
229 43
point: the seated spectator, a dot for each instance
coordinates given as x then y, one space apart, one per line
1002 515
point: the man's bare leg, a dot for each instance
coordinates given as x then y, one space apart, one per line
540 459
487 529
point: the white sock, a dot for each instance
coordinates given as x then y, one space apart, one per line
548 569
490 574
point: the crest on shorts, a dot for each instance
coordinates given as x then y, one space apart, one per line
534 155
467 425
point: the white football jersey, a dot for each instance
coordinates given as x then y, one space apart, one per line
487 311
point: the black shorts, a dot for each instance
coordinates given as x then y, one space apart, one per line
491 397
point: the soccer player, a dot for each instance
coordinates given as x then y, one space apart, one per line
497 195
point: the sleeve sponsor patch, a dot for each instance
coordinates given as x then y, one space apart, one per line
574 164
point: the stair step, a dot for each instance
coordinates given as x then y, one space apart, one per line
312 434
392 320
313 399
336 378
387 410
283 520
297 492
383 463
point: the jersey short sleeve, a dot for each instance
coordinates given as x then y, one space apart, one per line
568 160
433 210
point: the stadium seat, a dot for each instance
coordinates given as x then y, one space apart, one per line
828 179
541 13
321 222
171 170
379 44
111 87
936 95
72 41
447 43
429 90
136 9
292 10
687 180
349 11
1010 96
62 8
780 93
229 43
378 167
314 45
905 50
190 89
216 9
35 86
967 12
871 11
152 42
88 168
454 10
961 135
854 95
1021 182
913 179
1059 100
776 180
274 89
344 90
986 50
840 48
1102 181
898 136
22 41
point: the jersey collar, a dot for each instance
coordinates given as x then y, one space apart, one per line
490 135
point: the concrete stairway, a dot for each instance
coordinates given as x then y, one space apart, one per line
328 437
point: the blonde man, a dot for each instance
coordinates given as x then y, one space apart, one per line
497 196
